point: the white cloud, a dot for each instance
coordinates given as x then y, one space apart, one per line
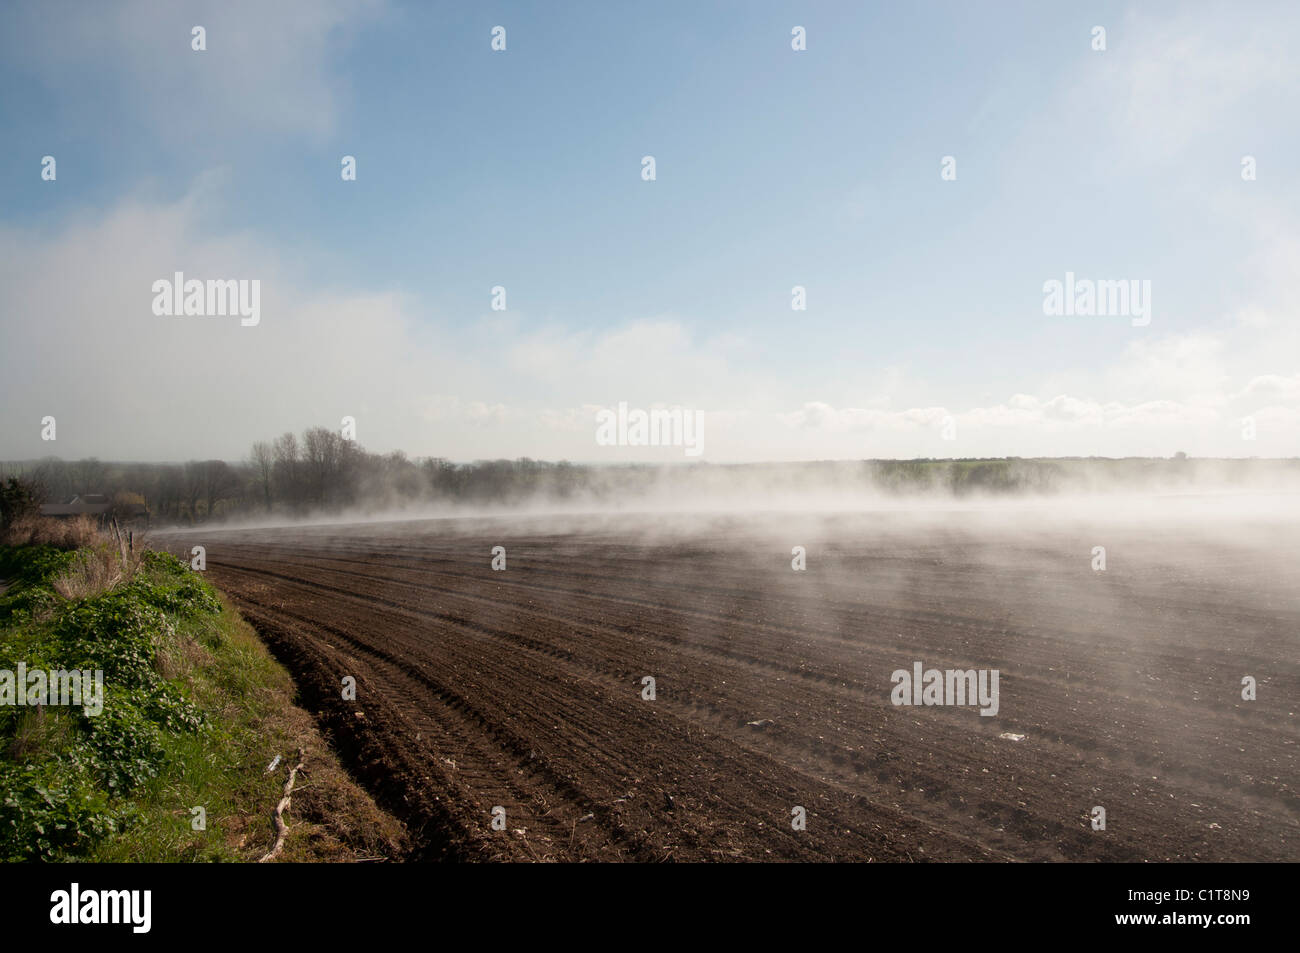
83 344
1180 366
1174 81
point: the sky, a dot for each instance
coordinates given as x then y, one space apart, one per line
924 332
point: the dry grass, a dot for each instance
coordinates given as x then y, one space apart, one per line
179 657
72 533
102 563
96 570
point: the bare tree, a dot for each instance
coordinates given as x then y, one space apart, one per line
192 488
89 475
219 482
168 489
262 461
324 454
285 469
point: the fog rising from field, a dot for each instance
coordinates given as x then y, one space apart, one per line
1119 684
685 499
1125 605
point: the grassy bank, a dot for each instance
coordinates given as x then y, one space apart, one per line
194 710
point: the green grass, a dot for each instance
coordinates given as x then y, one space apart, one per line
194 711
222 768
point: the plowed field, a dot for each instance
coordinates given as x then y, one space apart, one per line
522 689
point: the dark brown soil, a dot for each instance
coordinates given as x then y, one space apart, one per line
522 689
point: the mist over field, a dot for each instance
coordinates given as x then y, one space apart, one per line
332 479
1121 627
1122 611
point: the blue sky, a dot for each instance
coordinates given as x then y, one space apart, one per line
775 168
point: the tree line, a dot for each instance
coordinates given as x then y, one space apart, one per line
316 471
320 471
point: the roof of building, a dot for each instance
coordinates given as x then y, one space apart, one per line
75 509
